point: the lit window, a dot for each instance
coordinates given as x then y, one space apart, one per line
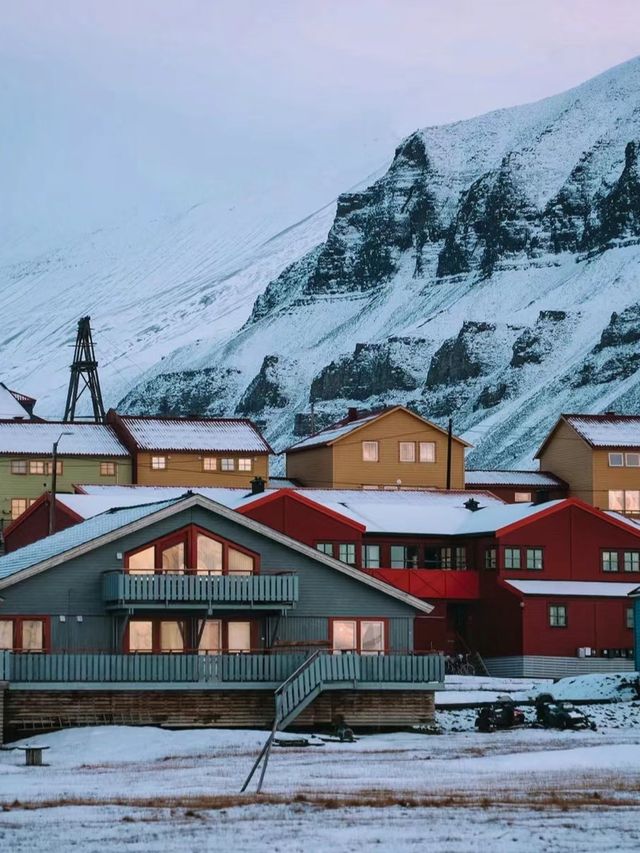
209 463
345 635
371 637
632 501
347 553
239 636
616 500
244 464
227 465
512 558
446 557
142 562
210 637
172 636
534 558
522 497
239 563
209 556
19 466
491 558
18 506
32 635
407 451
358 635
616 460
173 562
632 460
609 561
325 548
557 616
632 561
37 466
628 620
107 469
369 451
371 556
159 463
6 634
427 451
140 635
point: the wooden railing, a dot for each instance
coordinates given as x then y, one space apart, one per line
224 669
121 588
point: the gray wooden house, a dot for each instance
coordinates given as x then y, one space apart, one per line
185 612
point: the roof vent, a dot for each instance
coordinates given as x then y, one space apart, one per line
257 486
472 505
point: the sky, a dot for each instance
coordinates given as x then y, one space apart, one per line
148 106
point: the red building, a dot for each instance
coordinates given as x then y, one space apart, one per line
518 486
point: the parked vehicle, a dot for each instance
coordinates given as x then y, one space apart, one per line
502 715
560 715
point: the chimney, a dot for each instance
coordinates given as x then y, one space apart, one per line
472 505
541 497
352 414
257 486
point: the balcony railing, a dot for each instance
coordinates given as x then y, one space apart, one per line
121 589
211 670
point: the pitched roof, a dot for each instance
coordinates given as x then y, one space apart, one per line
10 406
601 589
340 429
538 479
111 525
608 430
233 435
37 439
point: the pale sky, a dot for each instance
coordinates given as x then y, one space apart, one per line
155 104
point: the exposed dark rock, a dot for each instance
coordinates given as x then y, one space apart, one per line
535 344
263 392
284 289
186 392
373 369
461 357
620 209
623 328
491 396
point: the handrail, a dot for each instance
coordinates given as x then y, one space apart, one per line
304 665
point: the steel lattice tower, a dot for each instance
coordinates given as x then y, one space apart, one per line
84 374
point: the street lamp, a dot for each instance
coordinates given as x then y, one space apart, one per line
54 482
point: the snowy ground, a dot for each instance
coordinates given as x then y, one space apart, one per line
147 789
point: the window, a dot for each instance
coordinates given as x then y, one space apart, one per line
557 616
239 636
370 556
625 501
107 469
609 561
23 634
632 460
407 451
358 635
18 506
142 562
227 464
461 557
347 553
369 451
209 556
140 635
159 463
491 558
404 556
6 634
172 636
209 463
628 618
616 500
632 561
616 460
522 497
38 466
194 551
244 464
173 559
427 451
19 466
239 563
210 635
446 558
325 548
512 558
534 558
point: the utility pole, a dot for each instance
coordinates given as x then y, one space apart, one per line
54 483
449 439
84 367
313 418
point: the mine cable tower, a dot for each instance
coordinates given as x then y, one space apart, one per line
84 375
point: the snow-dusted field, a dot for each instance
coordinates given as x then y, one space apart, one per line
147 789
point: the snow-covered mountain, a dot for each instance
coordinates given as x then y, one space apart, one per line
491 274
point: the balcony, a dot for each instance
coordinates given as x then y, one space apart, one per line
199 592
241 671
455 584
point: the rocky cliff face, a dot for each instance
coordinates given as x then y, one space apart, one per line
475 279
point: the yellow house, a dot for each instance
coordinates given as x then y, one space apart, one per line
599 457
87 453
392 449
193 451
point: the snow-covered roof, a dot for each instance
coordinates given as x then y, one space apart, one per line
102 498
10 407
601 589
607 430
326 436
38 438
233 435
72 537
537 479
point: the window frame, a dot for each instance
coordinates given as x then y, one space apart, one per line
629 464
359 620
18 621
245 469
491 558
606 555
159 463
534 549
192 626
209 464
629 617
322 546
636 561
407 445
424 444
365 558
554 609
348 546
227 464
112 469
509 551
374 444
618 454
16 463
28 502
522 497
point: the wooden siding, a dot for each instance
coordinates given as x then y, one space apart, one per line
312 467
80 469
569 457
27 711
605 477
185 469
